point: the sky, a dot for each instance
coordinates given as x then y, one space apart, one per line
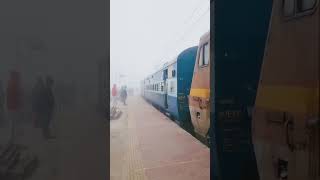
145 34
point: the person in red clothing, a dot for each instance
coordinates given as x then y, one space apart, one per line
14 100
114 91
14 92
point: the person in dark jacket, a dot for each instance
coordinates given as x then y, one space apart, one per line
47 109
37 100
123 95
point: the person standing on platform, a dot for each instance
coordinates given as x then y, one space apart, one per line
114 93
37 101
14 102
48 108
123 95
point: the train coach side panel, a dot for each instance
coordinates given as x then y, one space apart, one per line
186 61
286 116
156 98
153 91
240 31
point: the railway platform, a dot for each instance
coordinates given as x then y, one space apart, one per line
146 145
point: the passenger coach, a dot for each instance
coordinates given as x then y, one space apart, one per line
169 87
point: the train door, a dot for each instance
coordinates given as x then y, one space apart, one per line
165 77
286 115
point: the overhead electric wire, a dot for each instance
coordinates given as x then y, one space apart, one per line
188 19
173 43
193 13
192 25
189 29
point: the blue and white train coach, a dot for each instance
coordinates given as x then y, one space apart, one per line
169 87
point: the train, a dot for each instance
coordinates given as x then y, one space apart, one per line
265 90
286 122
199 96
181 89
169 87
255 101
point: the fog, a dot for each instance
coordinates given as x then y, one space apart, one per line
144 34
65 39
73 35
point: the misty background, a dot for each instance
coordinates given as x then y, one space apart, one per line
71 37
145 34
68 40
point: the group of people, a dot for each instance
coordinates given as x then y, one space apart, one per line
122 94
43 102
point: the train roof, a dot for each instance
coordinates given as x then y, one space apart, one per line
165 65
187 50
205 37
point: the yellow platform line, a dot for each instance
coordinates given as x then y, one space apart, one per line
133 168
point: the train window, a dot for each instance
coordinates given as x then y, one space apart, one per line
173 73
204 55
305 5
165 74
206 50
288 7
200 61
294 8
162 86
